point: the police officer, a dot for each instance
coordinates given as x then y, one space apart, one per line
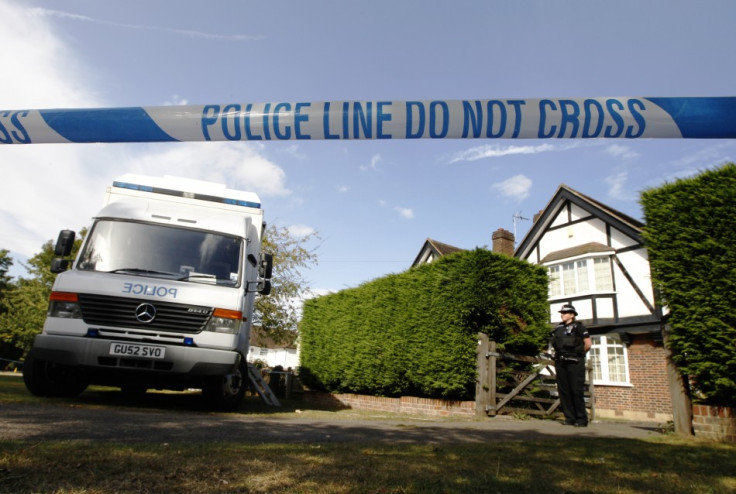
570 342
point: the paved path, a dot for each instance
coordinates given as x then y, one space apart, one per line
44 422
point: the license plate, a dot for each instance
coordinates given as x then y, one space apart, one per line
136 350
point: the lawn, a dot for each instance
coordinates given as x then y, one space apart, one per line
663 463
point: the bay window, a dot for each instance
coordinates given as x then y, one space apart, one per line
580 276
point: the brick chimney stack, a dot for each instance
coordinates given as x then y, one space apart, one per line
503 242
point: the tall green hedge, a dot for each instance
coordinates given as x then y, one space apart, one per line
691 238
415 333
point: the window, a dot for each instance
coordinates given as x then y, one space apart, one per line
147 249
577 277
608 357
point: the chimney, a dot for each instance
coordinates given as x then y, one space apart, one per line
503 242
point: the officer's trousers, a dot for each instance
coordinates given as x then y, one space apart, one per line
571 388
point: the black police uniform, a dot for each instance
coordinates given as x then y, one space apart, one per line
568 342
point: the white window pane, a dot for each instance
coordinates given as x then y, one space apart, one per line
555 285
582 274
602 268
616 362
568 278
595 360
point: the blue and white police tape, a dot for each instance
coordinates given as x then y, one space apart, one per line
551 118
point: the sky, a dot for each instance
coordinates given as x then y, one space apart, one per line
372 203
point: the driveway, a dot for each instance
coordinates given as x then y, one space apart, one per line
59 422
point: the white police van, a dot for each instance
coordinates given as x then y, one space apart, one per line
160 296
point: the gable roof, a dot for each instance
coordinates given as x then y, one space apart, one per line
435 249
623 222
577 250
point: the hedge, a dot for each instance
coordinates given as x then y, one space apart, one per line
691 238
415 333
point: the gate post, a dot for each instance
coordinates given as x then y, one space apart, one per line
482 384
492 361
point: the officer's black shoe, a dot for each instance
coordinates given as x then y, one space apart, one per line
581 424
568 422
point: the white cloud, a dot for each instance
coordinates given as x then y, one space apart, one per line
621 151
41 12
495 151
48 187
300 231
38 69
292 150
238 165
375 160
342 189
176 100
405 213
617 186
517 187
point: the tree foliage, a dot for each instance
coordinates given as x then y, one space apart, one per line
26 302
5 280
277 314
416 332
691 238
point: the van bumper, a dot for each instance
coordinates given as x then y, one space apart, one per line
94 354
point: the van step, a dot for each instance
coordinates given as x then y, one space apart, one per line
264 391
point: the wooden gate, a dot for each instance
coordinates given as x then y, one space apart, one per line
500 389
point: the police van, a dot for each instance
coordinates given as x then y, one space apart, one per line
160 295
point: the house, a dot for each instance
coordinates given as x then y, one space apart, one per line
596 260
265 349
433 249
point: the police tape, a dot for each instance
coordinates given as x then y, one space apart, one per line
579 118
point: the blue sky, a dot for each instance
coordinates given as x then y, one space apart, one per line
373 203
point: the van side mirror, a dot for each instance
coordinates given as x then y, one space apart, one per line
59 265
264 287
65 243
266 268
63 248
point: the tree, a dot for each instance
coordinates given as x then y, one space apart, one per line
8 351
5 280
24 306
691 239
277 314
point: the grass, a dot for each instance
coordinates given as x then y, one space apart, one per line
573 465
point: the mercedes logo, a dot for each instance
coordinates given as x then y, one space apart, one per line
145 313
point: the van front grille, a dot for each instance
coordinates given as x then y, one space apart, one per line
102 310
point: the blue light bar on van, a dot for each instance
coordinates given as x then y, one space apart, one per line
190 195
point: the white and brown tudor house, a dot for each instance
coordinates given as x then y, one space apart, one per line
596 260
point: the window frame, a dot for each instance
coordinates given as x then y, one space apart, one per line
556 275
601 363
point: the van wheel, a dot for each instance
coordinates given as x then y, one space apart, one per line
44 378
224 393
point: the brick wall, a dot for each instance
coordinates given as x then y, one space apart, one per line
648 397
716 423
405 404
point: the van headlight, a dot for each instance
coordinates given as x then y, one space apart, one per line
64 305
225 321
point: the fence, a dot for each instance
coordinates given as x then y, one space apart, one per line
532 390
